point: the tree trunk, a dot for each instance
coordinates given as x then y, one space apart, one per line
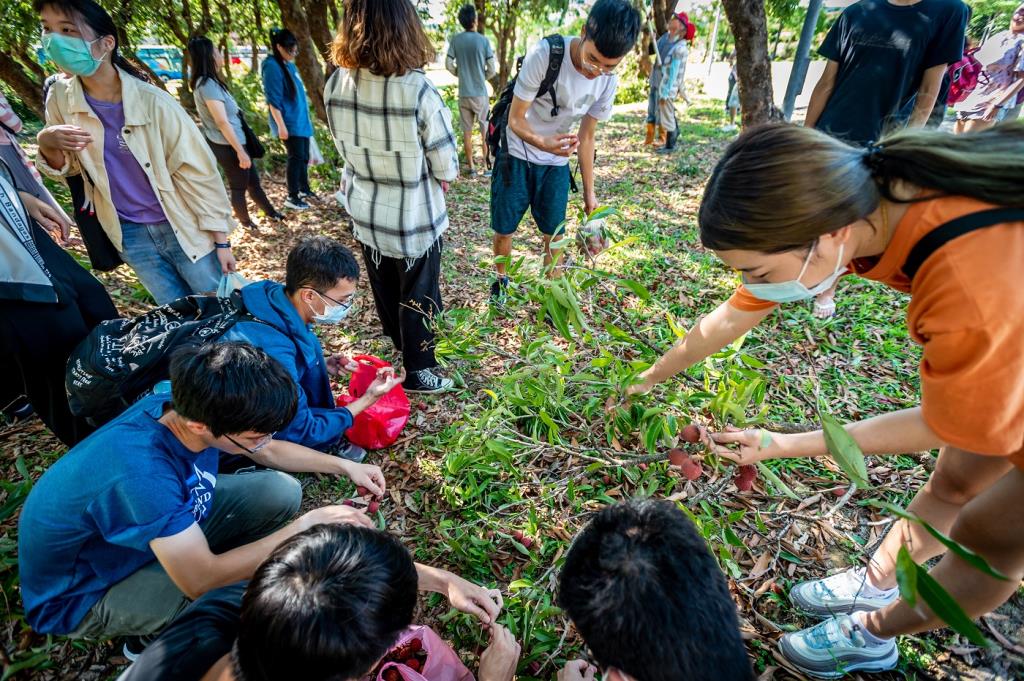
205 19
294 18
778 39
332 8
257 36
505 34
481 15
225 31
320 31
21 81
660 8
753 68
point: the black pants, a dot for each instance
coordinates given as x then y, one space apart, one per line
36 339
407 298
298 166
239 180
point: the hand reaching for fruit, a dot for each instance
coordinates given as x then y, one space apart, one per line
368 479
484 604
499 661
337 363
577 670
749 446
385 382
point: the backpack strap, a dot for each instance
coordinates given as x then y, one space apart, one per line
557 45
943 234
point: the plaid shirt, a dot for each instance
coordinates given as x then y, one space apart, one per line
396 137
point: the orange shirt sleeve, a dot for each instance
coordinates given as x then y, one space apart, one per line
746 301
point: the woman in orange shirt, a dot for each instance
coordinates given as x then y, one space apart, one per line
879 213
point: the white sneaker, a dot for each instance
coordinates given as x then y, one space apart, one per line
836 647
842 593
427 381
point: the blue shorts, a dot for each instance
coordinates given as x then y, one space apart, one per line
517 185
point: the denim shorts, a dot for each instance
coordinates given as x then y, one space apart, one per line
517 185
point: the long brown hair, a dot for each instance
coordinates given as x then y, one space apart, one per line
779 187
384 36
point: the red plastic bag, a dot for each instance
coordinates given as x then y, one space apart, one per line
380 425
435 659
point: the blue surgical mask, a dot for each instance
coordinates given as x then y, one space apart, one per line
72 54
332 314
791 291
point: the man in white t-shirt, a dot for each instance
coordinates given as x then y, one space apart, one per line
544 131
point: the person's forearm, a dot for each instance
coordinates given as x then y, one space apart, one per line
278 119
294 458
432 579
819 98
927 95
229 134
709 335
1010 93
449 63
521 128
220 237
54 158
238 563
901 432
588 147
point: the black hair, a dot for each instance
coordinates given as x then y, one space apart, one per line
232 387
467 17
325 606
613 25
648 598
102 24
286 39
318 262
200 49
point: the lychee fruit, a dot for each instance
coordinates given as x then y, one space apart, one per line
392 674
691 469
744 478
677 457
691 433
362 491
413 664
373 506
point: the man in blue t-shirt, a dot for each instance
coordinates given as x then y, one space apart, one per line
125 529
886 60
320 286
471 58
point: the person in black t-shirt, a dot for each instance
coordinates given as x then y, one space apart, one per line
886 60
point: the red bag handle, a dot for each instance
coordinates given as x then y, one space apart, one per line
373 361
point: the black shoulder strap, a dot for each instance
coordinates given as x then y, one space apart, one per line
557 45
945 233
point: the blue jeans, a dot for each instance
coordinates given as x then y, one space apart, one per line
162 267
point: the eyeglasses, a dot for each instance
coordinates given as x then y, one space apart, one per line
260 444
347 303
591 67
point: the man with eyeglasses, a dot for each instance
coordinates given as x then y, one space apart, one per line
134 522
320 287
545 129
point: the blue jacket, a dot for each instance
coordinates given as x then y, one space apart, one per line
295 111
286 338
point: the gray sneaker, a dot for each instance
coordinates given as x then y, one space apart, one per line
837 647
427 381
841 594
347 450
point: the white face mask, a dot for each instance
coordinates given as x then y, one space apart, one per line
791 291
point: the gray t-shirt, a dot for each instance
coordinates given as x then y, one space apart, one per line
211 90
471 50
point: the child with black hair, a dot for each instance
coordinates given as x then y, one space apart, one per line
545 129
131 524
649 600
327 605
289 113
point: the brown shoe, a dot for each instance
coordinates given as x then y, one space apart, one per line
649 140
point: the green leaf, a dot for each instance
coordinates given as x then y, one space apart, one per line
782 487
965 554
946 607
845 451
636 287
906 576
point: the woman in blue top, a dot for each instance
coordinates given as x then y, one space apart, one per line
289 113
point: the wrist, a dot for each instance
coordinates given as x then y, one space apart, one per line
224 245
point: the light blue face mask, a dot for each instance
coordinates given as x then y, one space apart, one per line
791 291
72 54
333 313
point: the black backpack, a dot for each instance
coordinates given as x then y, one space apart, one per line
122 359
498 121
944 233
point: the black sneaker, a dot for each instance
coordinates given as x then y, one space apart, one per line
18 410
426 381
499 290
134 646
296 203
347 450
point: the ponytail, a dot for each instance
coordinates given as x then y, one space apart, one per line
778 187
284 38
986 165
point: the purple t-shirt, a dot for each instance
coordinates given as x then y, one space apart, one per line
130 189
